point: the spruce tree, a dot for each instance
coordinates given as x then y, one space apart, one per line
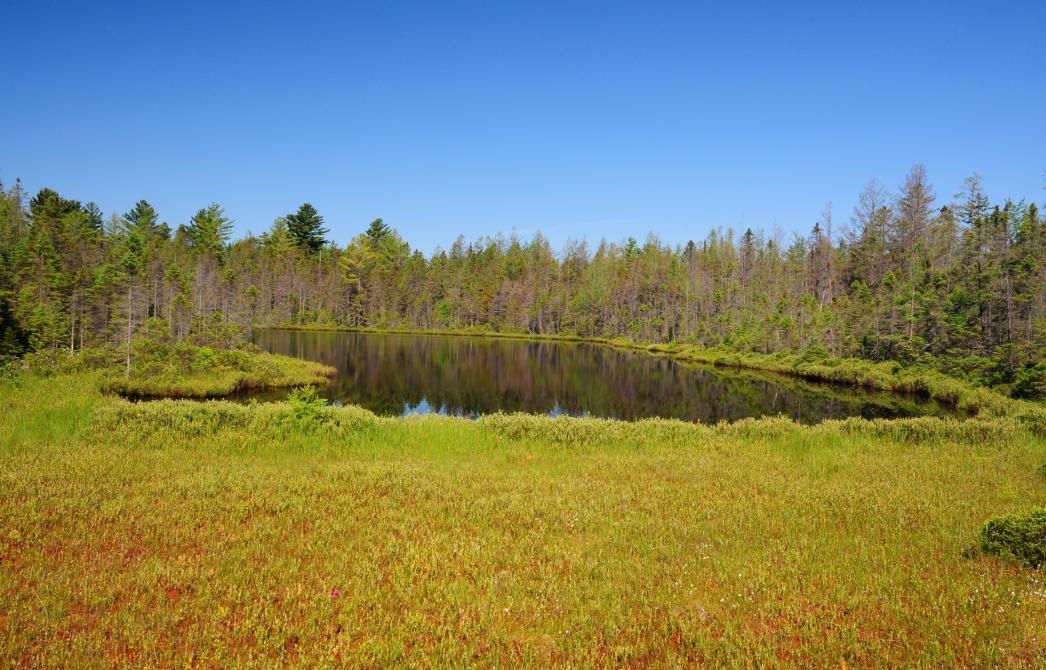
377 231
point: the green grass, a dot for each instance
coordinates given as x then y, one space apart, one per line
181 534
256 371
183 370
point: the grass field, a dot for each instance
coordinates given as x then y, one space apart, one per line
180 534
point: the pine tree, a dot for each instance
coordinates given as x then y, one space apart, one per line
306 227
278 239
94 216
143 218
209 230
377 231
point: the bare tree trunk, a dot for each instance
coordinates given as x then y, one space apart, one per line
72 327
127 372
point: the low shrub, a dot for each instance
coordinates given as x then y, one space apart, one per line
306 407
570 431
1017 536
205 359
9 372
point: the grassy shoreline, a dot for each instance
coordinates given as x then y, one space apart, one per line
265 371
183 371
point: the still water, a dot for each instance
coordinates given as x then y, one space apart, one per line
468 376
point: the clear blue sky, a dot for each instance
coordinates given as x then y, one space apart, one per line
582 120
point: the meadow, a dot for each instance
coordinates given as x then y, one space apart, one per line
185 534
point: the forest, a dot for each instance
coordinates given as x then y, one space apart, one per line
957 284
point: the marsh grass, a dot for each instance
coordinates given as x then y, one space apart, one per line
182 534
181 370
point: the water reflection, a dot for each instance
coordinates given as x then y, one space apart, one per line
469 376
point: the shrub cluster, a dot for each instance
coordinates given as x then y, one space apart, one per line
162 419
1021 537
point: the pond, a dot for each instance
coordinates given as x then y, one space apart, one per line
396 375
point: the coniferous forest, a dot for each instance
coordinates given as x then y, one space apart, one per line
957 283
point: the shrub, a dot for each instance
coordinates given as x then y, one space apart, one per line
205 359
306 406
234 358
9 371
1018 536
1030 382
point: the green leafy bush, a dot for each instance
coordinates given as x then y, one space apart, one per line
1018 536
205 359
306 406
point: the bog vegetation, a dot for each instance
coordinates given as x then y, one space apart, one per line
177 533
957 284
184 534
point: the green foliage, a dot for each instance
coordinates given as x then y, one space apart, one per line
14 341
144 221
9 371
1030 381
954 287
204 359
306 228
377 231
182 370
1021 537
48 207
216 332
209 230
306 407
279 240
134 254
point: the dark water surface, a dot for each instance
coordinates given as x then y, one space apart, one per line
469 376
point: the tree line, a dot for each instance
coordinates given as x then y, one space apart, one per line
956 283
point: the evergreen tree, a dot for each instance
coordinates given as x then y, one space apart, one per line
94 216
306 227
961 286
209 230
377 231
279 239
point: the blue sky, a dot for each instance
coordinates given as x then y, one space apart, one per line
583 120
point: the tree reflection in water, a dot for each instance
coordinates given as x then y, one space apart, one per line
469 376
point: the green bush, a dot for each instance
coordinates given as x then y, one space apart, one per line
306 407
9 371
235 359
205 359
1018 536
1030 382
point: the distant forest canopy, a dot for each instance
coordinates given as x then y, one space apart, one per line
959 285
